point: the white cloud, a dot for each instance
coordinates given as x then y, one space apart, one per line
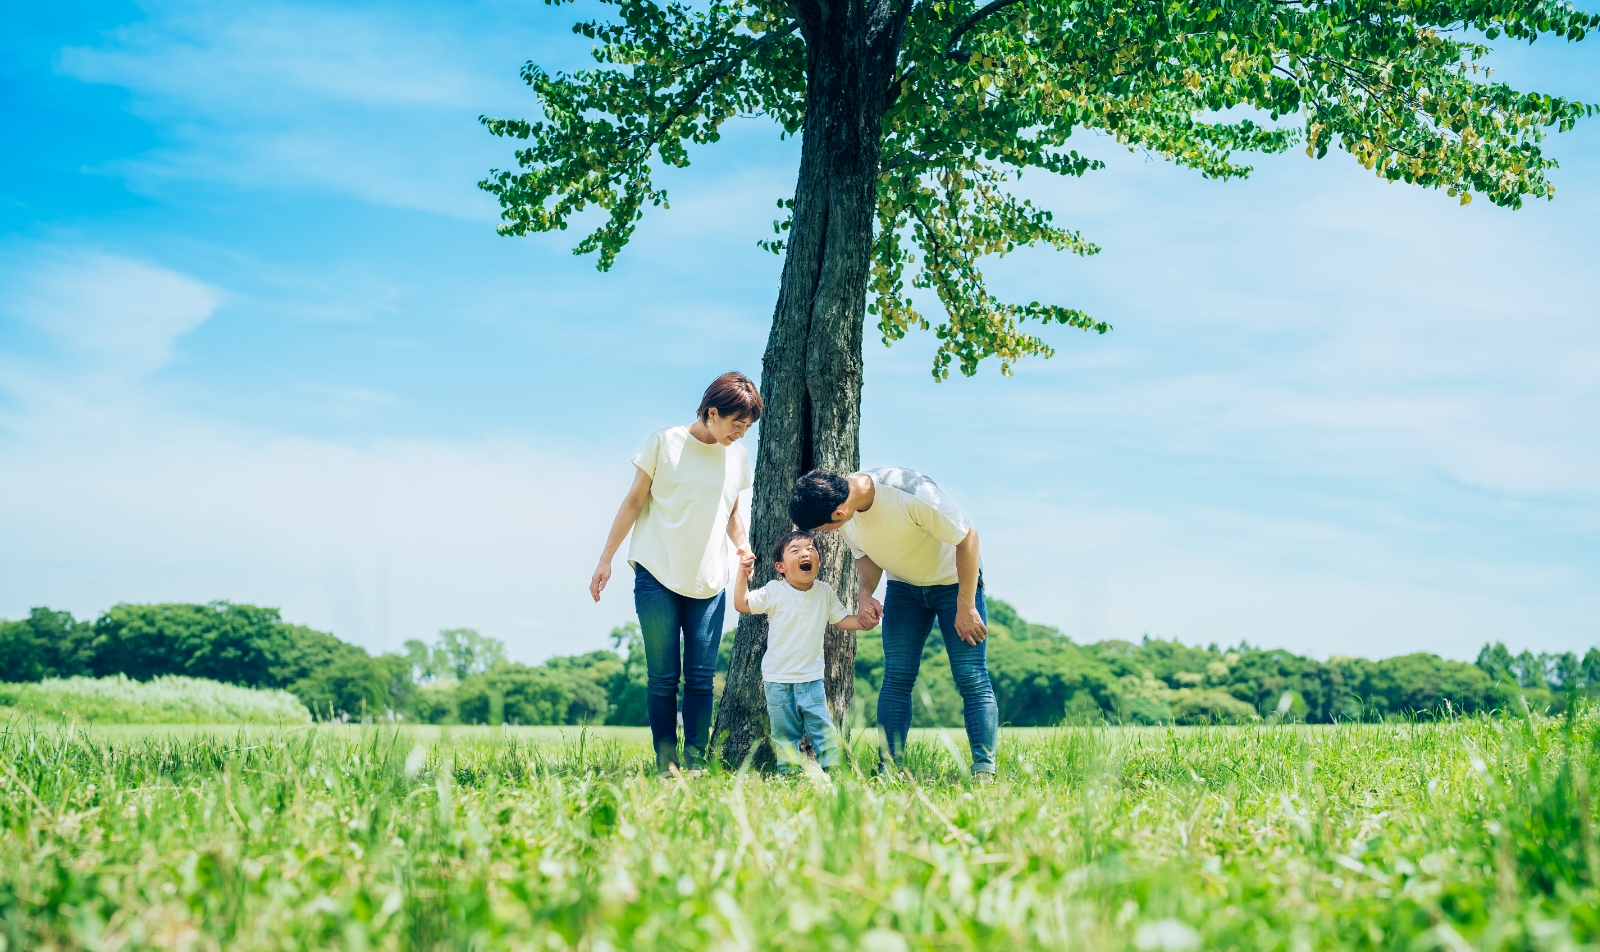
116 314
377 103
244 56
1335 416
128 498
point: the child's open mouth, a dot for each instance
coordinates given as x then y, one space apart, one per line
805 565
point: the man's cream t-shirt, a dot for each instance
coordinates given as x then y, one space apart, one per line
681 533
912 529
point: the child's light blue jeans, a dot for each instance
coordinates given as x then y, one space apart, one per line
796 710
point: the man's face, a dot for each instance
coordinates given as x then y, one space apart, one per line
800 561
840 517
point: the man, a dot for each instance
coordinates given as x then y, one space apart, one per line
897 520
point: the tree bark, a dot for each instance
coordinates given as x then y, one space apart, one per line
811 373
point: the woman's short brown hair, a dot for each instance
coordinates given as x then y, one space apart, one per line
733 395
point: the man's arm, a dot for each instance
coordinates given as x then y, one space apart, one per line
969 624
868 574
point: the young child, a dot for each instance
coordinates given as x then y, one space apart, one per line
798 609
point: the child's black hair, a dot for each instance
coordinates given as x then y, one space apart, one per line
788 537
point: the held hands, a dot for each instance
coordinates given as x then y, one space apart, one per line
602 575
870 613
969 625
747 563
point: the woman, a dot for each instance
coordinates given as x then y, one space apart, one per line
685 497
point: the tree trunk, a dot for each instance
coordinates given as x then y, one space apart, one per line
811 373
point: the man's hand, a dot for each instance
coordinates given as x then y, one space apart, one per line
871 610
969 625
597 584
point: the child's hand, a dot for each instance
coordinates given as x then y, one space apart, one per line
747 564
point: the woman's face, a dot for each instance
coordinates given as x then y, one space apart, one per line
726 429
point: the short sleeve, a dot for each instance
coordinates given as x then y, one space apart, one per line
853 541
945 523
646 458
836 610
747 478
760 600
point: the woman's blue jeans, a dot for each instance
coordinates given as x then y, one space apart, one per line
681 637
909 612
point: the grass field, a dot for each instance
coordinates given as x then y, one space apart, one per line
170 699
1467 835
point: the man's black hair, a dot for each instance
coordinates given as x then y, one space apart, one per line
788 537
815 496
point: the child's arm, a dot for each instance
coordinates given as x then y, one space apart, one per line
741 584
860 621
864 620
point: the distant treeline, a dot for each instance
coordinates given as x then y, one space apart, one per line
1040 676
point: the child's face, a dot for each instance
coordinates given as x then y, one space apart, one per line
800 562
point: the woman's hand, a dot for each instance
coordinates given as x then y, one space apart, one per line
627 515
747 563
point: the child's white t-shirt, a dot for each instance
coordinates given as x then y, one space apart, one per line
795 623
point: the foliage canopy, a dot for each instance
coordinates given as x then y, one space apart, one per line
983 93
1041 677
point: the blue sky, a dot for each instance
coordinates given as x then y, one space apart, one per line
259 341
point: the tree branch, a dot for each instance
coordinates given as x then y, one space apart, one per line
972 19
706 83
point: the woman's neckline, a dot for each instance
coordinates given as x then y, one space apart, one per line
689 427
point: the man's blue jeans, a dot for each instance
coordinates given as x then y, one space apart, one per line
801 710
681 637
909 612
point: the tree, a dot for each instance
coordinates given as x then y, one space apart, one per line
461 652
915 114
630 683
1420 684
46 644
221 641
354 685
21 655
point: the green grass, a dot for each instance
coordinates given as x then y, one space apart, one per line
1467 835
171 699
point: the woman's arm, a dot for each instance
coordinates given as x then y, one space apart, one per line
627 515
741 590
738 533
740 537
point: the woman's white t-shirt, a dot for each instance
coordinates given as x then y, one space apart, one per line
681 534
796 621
